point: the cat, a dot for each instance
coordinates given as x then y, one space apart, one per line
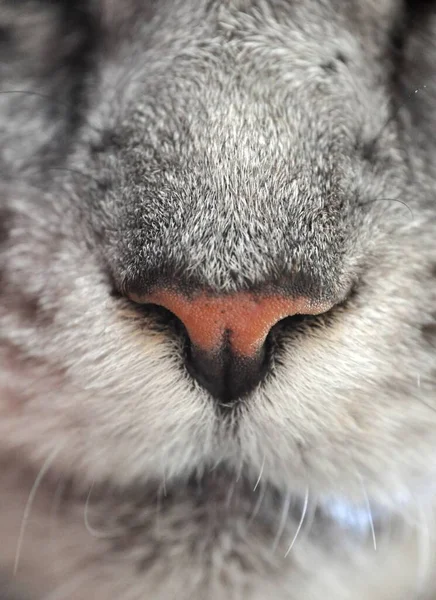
217 299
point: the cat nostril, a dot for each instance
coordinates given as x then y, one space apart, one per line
227 334
241 320
225 375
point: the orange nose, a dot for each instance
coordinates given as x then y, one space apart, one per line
243 320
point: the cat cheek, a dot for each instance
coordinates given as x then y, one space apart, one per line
11 401
23 378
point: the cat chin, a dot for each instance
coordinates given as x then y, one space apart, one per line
221 495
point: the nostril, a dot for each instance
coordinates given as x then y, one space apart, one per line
226 376
243 320
227 337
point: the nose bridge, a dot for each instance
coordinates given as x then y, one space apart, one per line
243 320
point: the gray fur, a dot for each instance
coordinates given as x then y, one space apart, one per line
227 145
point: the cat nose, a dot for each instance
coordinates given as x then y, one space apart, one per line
227 334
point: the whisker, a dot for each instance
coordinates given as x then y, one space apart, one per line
300 524
260 474
389 200
163 486
369 513
429 406
101 535
27 510
31 93
240 470
230 494
258 504
310 515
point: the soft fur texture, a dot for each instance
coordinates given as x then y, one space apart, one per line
225 145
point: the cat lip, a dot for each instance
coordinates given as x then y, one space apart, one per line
241 320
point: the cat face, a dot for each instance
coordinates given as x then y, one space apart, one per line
222 150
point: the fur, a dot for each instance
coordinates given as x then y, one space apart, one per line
225 145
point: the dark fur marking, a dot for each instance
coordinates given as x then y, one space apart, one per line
428 332
5 225
340 56
27 307
5 35
330 66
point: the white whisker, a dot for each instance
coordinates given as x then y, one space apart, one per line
240 469
101 535
27 510
260 474
230 494
300 524
369 513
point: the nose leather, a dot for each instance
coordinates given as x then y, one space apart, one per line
227 334
242 320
